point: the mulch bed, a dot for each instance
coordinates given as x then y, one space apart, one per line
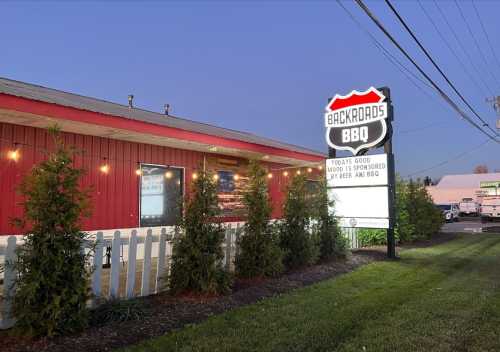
163 313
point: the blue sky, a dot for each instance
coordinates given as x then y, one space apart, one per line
263 67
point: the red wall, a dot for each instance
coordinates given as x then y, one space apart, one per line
115 195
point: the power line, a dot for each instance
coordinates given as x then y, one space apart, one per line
438 89
447 161
461 45
443 38
486 34
476 43
418 129
409 74
407 28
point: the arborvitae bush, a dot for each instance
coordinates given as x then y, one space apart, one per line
331 241
425 218
300 246
52 286
259 252
197 251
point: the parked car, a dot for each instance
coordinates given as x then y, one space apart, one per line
468 207
490 208
450 211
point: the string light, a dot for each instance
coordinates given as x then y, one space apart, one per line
320 167
298 172
168 174
13 155
309 170
285 173
105 167
138 172
216 177
194 175
270 175
236 177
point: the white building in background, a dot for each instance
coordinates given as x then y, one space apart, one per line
453 188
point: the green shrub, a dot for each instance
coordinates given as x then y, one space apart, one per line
259 253
52 285
300 247
372 237
116 310
324 224
417 216
197 250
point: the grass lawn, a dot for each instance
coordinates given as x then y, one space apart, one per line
441 298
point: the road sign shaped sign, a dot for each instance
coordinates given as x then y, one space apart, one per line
356 121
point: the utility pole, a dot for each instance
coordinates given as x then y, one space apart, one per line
495 101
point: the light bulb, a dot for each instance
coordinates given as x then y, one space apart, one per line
13 155
104 168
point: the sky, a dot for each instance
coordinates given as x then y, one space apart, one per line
267 67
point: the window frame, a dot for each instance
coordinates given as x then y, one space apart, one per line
183 188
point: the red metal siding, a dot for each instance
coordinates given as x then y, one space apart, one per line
115 195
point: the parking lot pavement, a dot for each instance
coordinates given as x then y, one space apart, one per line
473 225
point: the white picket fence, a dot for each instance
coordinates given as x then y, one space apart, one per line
139 259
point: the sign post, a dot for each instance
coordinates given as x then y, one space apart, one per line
362 187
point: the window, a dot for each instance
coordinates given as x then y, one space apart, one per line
161 190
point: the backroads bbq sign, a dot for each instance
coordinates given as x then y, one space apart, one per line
356 121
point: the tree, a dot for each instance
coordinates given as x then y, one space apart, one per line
197 250
331 242
52 284
259 253
481 169
300 247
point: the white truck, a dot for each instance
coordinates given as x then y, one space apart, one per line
468 207
490 208
450 211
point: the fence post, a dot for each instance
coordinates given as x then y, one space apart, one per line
146 269
8 283
237 238
228 247
131 265
97 265
114 279
160 269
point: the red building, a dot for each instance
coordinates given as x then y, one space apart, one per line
138 162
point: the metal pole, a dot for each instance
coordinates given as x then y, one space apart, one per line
391 240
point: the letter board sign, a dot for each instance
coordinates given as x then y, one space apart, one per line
356 121
366 170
